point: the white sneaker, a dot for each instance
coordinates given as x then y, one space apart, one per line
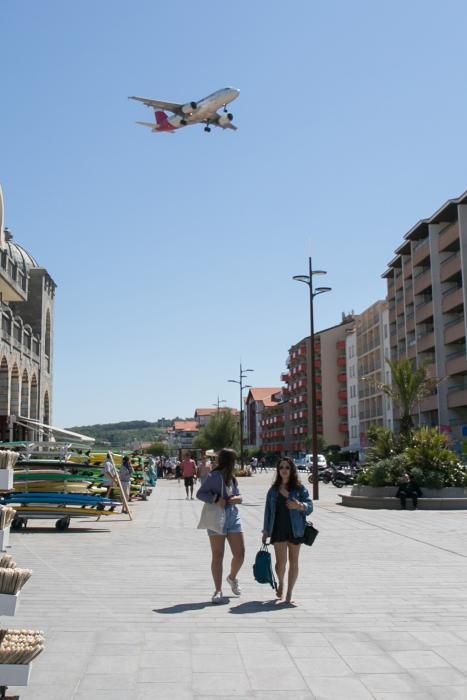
217 598
234 585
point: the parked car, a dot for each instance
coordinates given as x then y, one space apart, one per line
322 464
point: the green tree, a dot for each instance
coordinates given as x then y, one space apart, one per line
222 430
383 444
157 448
410 385
321 444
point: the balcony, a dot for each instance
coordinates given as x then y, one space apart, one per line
448 236
421 253
343 427
426 342
341 362
424 311
422 282
457 396
454 332
343 411
457 364
450 267
342 395
453 299
342 378
429 404
285 376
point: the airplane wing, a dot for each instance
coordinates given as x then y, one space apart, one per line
158 104
216 120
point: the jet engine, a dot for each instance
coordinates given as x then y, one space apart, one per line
225 119
189 108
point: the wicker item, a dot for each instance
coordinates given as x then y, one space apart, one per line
8 459
6 562
7 515
20 646
12 580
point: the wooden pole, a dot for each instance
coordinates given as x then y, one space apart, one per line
125 502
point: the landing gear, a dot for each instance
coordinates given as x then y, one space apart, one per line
183 122
225 108
207 128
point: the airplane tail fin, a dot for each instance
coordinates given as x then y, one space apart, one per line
161 117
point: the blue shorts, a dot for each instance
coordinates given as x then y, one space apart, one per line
232 522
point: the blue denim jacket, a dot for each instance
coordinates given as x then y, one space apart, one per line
214 486
297 517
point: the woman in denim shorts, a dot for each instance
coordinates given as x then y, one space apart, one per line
221 487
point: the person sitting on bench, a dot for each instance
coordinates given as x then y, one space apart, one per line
408 487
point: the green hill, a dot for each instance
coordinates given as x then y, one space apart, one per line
125 433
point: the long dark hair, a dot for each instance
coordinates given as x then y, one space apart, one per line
226 464
294 482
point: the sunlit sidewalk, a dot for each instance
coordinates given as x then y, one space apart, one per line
382 607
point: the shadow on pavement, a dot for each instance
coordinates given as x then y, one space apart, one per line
187 607
257 606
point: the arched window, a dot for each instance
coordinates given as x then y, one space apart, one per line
15 395
46 408
47 340
24 408
4 388
33 406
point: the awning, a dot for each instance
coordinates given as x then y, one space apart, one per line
31 423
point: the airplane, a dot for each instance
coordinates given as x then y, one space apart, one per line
202 112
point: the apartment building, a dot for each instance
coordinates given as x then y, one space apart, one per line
331 388
367 347
181 435
273 424
257 399
204 415
427 300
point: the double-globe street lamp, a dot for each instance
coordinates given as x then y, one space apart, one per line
243 386
308 280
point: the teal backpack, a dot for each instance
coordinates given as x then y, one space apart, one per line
262 568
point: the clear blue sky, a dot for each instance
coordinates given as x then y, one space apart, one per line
174 255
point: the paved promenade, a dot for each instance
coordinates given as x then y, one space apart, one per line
382 608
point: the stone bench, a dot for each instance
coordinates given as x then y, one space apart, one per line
393 503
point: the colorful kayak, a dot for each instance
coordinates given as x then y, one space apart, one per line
74 499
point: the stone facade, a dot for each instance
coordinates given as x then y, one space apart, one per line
27 295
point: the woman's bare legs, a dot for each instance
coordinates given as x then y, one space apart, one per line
237 547
217 549
294 551
280 549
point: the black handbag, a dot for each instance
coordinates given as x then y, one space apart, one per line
311 533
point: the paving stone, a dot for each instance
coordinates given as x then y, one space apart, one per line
382 608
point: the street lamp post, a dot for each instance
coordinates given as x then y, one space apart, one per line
218 403
308 280
243 386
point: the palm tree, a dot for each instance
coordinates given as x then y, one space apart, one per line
410 385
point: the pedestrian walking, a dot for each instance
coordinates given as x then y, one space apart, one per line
204 468
221 488
188 468
408 488
262 465
126 472
287 505
110 474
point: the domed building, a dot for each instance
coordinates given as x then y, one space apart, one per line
27 294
